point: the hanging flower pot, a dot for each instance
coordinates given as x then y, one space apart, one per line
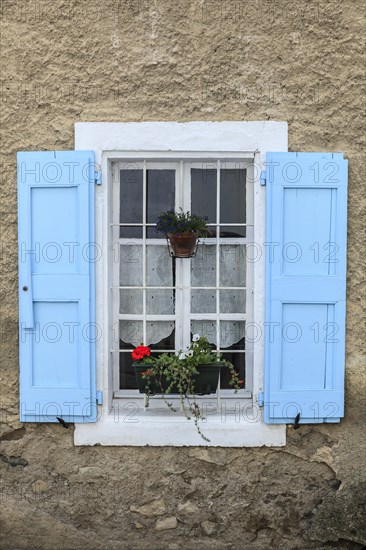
182 245
182 230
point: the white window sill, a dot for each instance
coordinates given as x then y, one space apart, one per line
158 428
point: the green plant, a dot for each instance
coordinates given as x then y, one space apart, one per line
179 371
181 222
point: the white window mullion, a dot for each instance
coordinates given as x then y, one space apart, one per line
185 183
218 254
218 221
144 229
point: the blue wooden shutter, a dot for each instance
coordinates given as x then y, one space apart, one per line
56 286
306 230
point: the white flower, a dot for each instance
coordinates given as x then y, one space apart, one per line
190 353
182 356
196 337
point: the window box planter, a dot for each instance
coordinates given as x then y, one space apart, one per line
205 382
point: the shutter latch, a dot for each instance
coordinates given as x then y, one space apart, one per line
297 420
98 177
260 399
263 177
62 422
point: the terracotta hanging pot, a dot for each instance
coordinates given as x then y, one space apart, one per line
182 245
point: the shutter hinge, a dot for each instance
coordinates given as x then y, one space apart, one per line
98 177
260 399
100 397
263 178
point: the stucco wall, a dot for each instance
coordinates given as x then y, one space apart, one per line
134 60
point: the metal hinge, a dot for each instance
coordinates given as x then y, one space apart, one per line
98 177
263 178
260 399
100 397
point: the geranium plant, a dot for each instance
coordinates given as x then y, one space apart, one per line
188 373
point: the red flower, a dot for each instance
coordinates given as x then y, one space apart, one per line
240 381
140 352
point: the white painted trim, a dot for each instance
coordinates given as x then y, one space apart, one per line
130 429
181 136
137 140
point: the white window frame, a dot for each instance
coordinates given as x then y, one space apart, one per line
131 424
182 333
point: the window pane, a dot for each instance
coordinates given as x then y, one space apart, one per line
160 188
203 301
205 328
127 377
130 273
131 201
159 266
232 196
159 301
232 335
232 301
232 231
130 333
232 265
203 266
160 333
238 360
130 301
203 192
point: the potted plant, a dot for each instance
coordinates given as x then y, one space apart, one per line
182 230
188 373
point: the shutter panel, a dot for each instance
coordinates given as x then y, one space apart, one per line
306 231
56 286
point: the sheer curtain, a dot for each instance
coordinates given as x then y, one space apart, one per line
159 272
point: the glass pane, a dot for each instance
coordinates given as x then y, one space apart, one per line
130 273
130 301
232 232
160 189
203 192
159 331
232 196
203 266
130 333
203 301
159 301
232 265
232 335
131 202
205 328
127 377
232 301
159 266
238 360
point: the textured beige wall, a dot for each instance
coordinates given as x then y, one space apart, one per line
134 60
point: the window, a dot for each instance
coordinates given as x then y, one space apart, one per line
187 150
162 300
286 225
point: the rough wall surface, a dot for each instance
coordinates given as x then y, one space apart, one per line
135 60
